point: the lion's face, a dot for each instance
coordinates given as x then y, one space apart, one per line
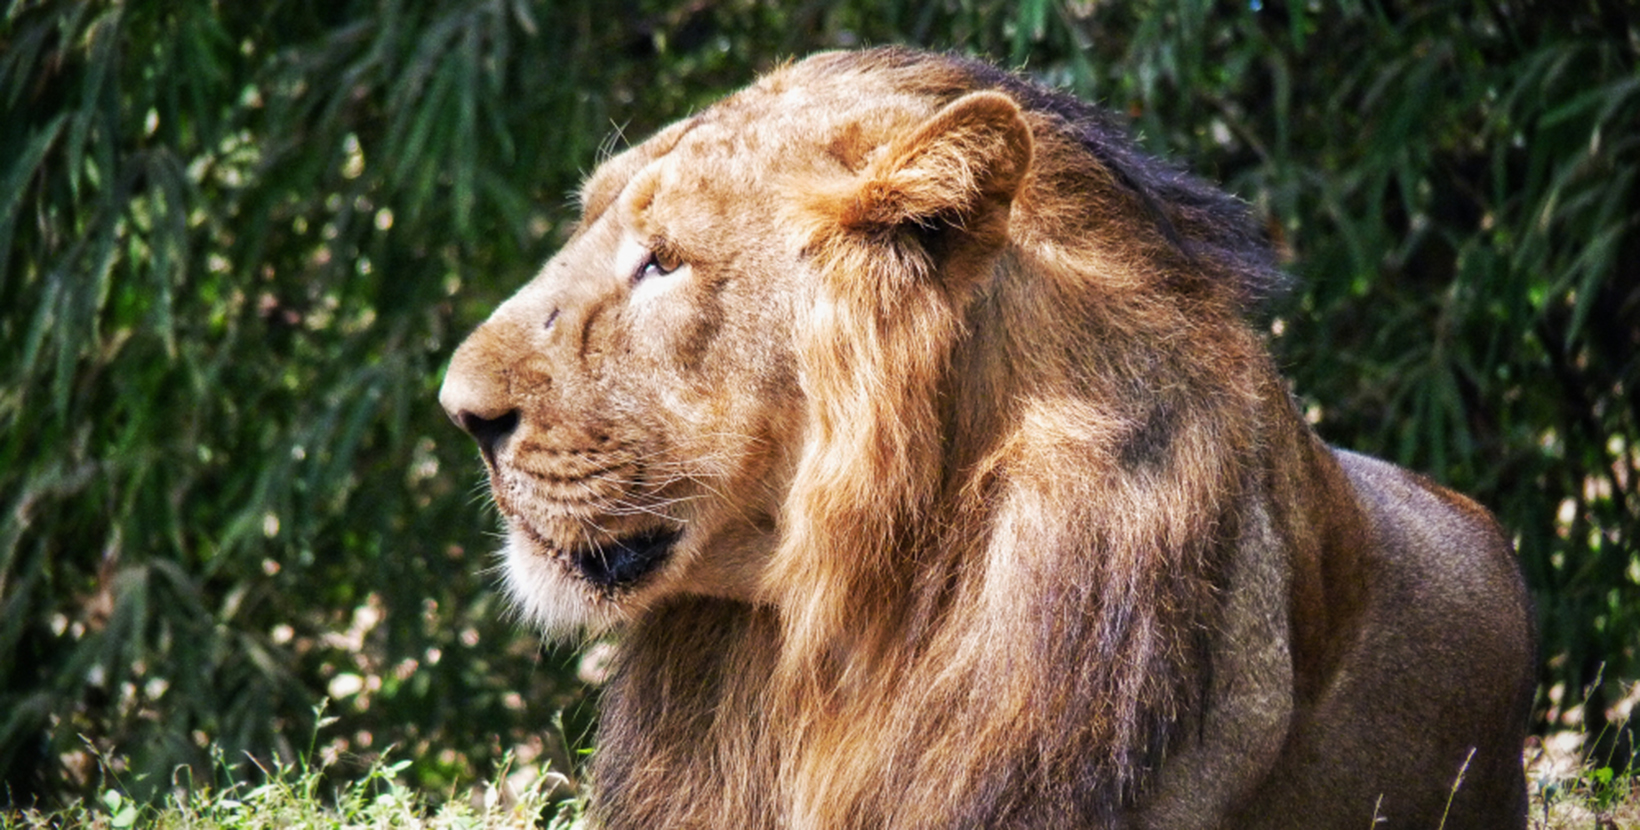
631 401
638 404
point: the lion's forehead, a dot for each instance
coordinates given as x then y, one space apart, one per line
741 158
762 134
796 120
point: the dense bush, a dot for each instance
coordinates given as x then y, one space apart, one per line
240 240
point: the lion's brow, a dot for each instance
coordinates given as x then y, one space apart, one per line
610 180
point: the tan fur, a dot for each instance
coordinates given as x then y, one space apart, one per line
943 485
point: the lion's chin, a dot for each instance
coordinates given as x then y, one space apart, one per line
569 593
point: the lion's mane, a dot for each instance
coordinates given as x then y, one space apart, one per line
1010 518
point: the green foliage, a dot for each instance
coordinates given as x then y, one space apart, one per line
239 245
240 240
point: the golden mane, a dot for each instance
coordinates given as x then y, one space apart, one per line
1019 460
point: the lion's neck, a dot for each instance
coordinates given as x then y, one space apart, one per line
715 716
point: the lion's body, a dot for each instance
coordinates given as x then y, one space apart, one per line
906 421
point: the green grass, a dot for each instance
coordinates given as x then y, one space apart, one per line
303 795
1569 789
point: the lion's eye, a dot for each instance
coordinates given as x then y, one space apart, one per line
660 263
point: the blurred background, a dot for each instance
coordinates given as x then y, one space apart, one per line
240 241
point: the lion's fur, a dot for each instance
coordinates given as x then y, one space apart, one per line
993 510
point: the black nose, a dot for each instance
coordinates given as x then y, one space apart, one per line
489 432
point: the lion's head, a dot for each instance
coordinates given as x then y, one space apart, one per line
906 416
756 294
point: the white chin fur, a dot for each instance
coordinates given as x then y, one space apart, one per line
557 604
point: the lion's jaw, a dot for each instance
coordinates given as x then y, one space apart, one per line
626 410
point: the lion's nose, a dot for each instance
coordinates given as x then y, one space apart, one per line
489 428
476 401
490 432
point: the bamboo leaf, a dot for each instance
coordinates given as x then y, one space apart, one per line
25 165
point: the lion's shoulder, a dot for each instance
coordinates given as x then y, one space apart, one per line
1441 545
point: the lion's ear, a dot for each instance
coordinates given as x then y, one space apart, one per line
960 168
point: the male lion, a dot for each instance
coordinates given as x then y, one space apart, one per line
904 420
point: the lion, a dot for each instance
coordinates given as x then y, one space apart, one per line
906 427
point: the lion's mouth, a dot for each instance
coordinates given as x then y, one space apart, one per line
622 563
